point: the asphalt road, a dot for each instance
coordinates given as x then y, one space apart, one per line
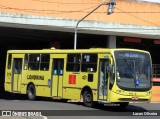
72 110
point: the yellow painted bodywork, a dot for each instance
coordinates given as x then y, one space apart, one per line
127 96
59 85
17 82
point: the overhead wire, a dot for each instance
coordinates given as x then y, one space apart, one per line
63 2
70 11
50 2
138 17
47 11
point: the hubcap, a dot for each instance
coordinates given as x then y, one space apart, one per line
30 92
88 98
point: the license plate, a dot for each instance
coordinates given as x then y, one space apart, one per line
134 98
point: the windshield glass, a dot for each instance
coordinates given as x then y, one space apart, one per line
133 70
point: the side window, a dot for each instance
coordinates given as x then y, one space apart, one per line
73 62
26 61
34 61
89 62
9 61
45 58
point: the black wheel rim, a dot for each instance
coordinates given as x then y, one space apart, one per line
31 92
88 98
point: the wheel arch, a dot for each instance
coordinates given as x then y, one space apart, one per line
86 88
30 83
31 91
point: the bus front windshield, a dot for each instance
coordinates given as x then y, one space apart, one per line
133 70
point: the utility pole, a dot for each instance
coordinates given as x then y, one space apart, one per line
110 11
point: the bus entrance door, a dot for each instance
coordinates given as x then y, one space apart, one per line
103 80
16 74
57 77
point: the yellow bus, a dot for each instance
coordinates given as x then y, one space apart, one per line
92 75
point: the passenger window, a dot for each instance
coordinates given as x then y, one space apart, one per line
89 62
34 61
44 65
73 62
25 61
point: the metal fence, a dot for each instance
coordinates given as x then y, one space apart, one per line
156 70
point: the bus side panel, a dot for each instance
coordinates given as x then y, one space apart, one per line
24 89
42 91
73 84
8 83
8 74
8 87
24 82
71 93
95 95
39 79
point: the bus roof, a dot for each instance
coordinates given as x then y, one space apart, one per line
91 50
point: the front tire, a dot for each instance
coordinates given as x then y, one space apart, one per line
88 99
31 92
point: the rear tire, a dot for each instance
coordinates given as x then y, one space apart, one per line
31 92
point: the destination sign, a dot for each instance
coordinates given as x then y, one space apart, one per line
131 54
128 54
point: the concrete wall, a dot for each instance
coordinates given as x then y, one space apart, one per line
155 94
126 12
